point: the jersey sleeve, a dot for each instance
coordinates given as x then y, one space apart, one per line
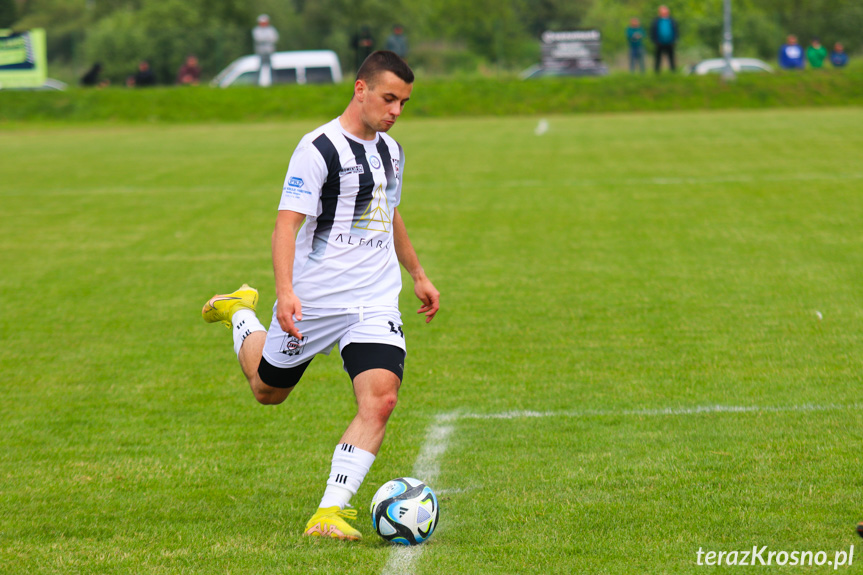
306 175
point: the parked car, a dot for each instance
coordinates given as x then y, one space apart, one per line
300 67
717 65
49 84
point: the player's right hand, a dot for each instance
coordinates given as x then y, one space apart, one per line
288 310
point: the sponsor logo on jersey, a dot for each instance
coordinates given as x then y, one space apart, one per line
376 217
396 168
294 188
361 242
352 170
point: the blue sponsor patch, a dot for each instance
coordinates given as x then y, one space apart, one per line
295 182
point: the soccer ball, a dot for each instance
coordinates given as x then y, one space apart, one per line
405 510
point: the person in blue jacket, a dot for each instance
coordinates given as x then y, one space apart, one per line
664 35
791 55
838 57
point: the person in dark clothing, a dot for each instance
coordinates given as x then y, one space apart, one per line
664 35
144 77
363 44
91 78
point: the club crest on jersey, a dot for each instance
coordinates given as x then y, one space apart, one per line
293 346
375 162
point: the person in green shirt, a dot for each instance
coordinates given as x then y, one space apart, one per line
816 54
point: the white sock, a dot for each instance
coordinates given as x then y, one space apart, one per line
350 465
245 322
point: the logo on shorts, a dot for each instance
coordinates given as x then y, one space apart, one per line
292 346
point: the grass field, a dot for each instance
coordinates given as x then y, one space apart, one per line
650 344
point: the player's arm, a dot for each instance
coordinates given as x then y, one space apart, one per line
284 248
423 287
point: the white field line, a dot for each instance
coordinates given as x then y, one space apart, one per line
658 181
402 560
696 410
426 467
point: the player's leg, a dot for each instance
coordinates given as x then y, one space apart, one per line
376 391
376 371
279 381
236 311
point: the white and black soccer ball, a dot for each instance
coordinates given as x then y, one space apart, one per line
405 510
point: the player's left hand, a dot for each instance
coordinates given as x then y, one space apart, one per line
430 297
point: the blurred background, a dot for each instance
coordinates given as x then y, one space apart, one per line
444 37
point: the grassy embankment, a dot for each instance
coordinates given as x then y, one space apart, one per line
441 98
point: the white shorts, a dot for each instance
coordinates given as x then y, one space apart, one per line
322 329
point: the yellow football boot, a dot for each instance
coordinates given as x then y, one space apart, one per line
330 522
222 306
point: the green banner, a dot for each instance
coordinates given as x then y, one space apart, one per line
23 59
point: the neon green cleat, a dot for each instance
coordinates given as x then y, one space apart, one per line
222 307
330 522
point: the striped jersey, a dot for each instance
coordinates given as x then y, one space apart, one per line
348 189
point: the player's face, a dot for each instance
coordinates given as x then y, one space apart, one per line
384 101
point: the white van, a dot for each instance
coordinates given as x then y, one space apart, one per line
301 67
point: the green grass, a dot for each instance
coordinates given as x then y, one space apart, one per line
442 98
612 275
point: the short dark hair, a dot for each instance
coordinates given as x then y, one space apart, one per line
384 61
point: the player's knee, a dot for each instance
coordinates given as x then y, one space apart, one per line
270 396
384 406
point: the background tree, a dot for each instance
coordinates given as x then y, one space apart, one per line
8 13
444 35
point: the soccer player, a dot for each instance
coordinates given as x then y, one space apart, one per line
337 277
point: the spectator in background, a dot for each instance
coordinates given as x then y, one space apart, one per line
816 54
791 54
397 42
635 38
189 73
143 78
838 57
363 44
91 78
664 35
265 37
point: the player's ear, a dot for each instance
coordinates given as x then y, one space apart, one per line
360 90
